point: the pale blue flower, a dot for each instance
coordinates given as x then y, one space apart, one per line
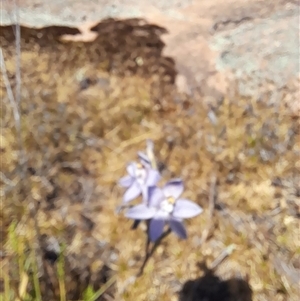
140 177
165 206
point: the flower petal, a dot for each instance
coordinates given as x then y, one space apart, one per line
162 214
155 196
186 209
156 228
178 227
173 188
126 181
140 212
153 176
145 194
132 192
131 168
144 159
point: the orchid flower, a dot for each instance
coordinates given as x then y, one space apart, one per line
165 206
140 177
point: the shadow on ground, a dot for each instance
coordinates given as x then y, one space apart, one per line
210 287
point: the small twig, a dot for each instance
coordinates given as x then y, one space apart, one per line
18 52
9 91
224 254
171 146
150 153
6 180
290 272
212 201
16 113
15 104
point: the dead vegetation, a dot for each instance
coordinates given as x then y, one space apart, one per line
86 108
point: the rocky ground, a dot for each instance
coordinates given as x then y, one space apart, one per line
214 85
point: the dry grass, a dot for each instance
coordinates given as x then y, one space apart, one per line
82 124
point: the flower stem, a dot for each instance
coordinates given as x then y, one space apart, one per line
149 253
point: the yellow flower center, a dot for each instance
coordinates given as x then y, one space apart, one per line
139 165
171 200
140 172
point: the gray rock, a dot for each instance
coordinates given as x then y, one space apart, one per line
261 52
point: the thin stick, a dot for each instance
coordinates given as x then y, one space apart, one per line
18 52
150 153
224 254
212 200
15 109
15 104
5 180
10 94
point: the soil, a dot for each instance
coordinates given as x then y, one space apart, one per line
97 80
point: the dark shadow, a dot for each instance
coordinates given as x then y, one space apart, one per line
129 45
211 288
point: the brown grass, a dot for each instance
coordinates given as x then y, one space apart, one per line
81 125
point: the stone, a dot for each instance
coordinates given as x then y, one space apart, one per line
215 44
